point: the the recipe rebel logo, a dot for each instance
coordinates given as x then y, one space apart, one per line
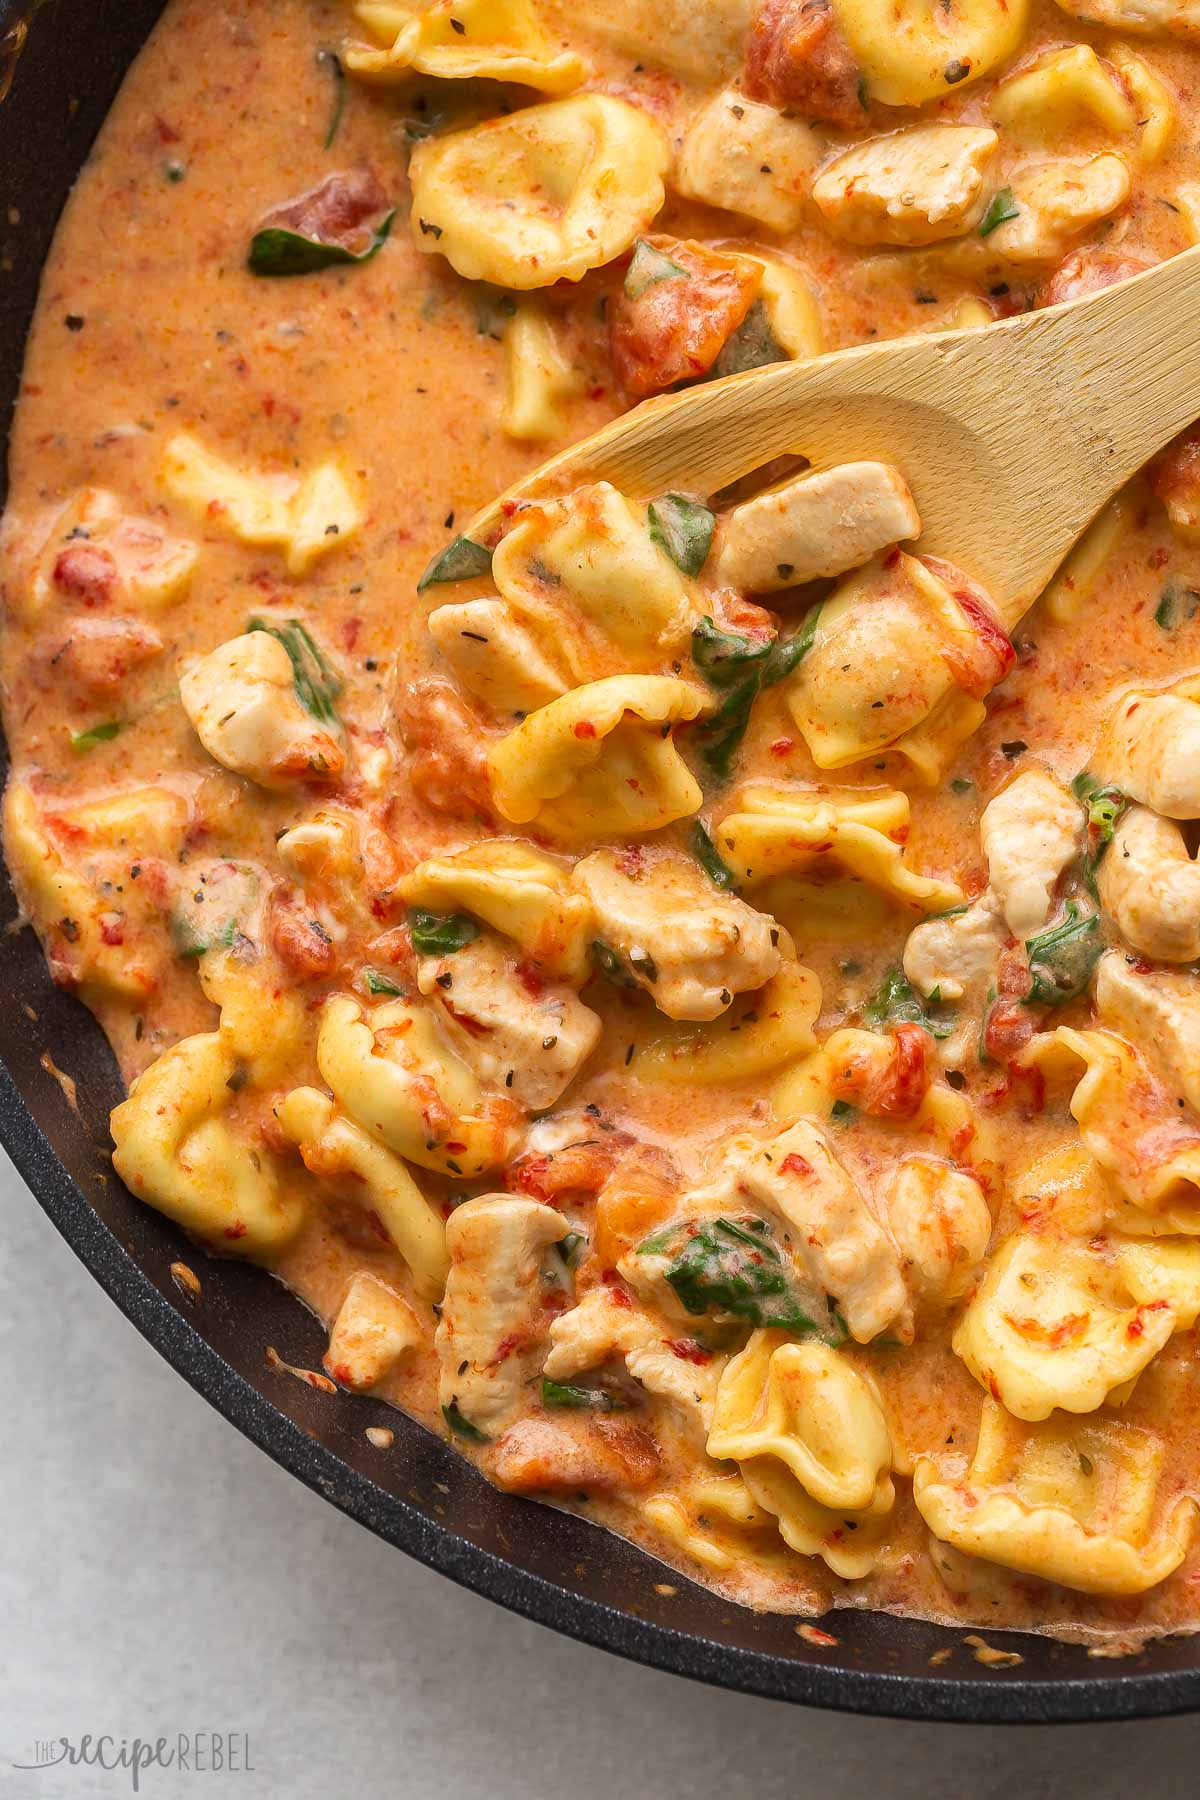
187 1752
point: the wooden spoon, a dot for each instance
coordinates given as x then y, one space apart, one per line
1011 437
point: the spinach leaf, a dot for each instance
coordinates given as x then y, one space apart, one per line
683 529
739 668
1001 209
378 983
1103 807
1062 957
332 61
648 266
896 1001
461 1427
317 684
1176 607
564 1393
277 251
82 741
462 560
752 346
441 934
710 858
726 1266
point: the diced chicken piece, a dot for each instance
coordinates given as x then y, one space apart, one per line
374 1328
495 655
1148 18
601 1327
798 60
684 1381
940 1222
527 1038
96 555
494 1317
816 526
914 186
955 955
685 942
748 158
1088 272
1174 474
576 1455
93 658
1056 204
1151 751
1150 887
679 306
243 705
835 1238
1030 833
1159 1012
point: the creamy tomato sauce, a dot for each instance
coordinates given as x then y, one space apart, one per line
709 1022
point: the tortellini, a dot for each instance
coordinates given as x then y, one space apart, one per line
1060 91
397 1076
820 524
1153 18
690 946
174 1149
516 890
457 40
306 518
373 1329
1149 886
335 1149
716 1521
92 926
748 158
494 1314
912 187
812 1445
543 195
243 703
1132 1127
777 831
1030 833
1158 1009
889 647
584 591
527 1037
601 760
96 553
1052 1326
1069 1501
539 377
751 1040
919 50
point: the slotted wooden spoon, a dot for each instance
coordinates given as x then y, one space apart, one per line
1011 437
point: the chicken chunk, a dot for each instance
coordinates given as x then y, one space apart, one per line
494 1317
748 158
597 1330
495 655
1151 751
956 954
244 707
1030 833
576 1455
373 1329
95 657
525 1037
835 1237
1148 18
1159 1011
1056 204
940 1222
911 187
1150 887
816 526
685 942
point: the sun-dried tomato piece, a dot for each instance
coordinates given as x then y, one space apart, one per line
798 60
674 323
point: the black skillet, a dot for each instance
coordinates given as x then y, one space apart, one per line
420 1496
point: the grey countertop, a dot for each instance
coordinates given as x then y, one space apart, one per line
160 1575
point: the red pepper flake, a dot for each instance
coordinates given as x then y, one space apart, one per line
585 729
689 1349
794 1164
783 746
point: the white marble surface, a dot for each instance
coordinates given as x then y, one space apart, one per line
159 1574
